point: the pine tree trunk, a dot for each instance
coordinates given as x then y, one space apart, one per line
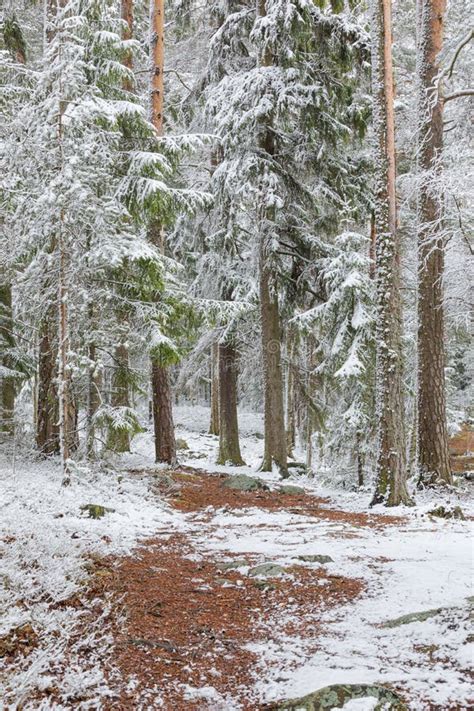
93 400
274 414
433 453
290 399
275 436
118 440
7 385
126 11
391 460
47 418
229 447
214 424
165 444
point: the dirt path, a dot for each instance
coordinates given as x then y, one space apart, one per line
183 620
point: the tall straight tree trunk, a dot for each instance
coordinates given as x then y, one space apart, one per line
165 444
229 447
93 399
119 440
290 396
47 416
214 423
126 12
7 385
433 454
274 413
391 465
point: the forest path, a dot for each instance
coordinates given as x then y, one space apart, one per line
270 595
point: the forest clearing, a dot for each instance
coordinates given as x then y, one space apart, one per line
236 362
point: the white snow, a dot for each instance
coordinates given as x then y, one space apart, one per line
420 564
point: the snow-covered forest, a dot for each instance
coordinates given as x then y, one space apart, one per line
236 364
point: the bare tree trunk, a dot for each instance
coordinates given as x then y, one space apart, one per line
290 397
274 414
47 419
7 385
391 465
275 436
118 440
126 11
93 400
229 447
214 424
433 453
165 444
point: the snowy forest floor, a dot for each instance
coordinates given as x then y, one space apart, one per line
160 602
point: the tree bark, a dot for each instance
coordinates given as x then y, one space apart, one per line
433 453
214 423
126 11
47 419
7 385
275 436
165 444
118 440
93 400
290 398
391 465
229 447
274 414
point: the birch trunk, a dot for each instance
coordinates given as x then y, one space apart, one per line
433 454
165 444
391 465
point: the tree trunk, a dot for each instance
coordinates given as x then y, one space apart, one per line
274 414
290 398
47 419
391 465
93 400
229 447
126 11
165 444
214 424
118 440
275 436
433 454
7 385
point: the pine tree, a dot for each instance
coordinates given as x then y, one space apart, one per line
391 465
433 454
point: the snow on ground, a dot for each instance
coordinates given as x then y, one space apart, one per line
45 540
420 564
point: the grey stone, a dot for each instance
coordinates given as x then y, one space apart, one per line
443 512
337 695
290 489
242 482
412 617
266 570
232 564
316 558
